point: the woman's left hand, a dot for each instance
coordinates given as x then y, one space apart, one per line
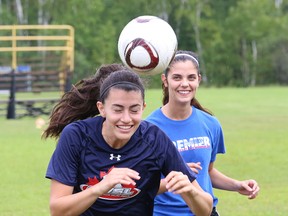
177 182
249 188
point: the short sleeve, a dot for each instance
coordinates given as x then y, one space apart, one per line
217 142
63 165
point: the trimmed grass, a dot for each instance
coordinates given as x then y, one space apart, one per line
24 158
254 121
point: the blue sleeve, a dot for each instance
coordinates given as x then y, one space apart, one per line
217 142
63 165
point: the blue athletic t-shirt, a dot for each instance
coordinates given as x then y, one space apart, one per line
82 158
198 139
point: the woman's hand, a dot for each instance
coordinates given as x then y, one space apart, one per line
249 188
177 182
116 176
199 201
195 167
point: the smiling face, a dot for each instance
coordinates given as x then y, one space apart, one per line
123 112
182 82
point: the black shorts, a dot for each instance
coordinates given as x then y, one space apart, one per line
214 212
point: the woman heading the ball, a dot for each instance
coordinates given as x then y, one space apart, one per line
195 132
111 164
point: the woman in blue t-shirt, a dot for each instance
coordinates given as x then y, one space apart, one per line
111 164
195 132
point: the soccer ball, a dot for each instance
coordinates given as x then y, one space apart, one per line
147 44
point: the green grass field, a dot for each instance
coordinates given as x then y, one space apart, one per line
254 120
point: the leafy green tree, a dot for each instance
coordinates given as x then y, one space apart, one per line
239 42
249 26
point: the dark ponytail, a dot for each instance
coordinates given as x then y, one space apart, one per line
80 102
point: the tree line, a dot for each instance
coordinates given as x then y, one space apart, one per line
239 42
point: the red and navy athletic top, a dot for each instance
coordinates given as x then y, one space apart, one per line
82 158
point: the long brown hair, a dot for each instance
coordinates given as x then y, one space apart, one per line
182 56
80 102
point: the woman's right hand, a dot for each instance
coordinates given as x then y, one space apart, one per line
116 176
195 167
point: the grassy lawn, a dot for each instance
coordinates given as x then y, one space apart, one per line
254 121
255 124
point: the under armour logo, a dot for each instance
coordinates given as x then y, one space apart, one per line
116 157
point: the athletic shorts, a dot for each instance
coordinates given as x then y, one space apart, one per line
214 212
